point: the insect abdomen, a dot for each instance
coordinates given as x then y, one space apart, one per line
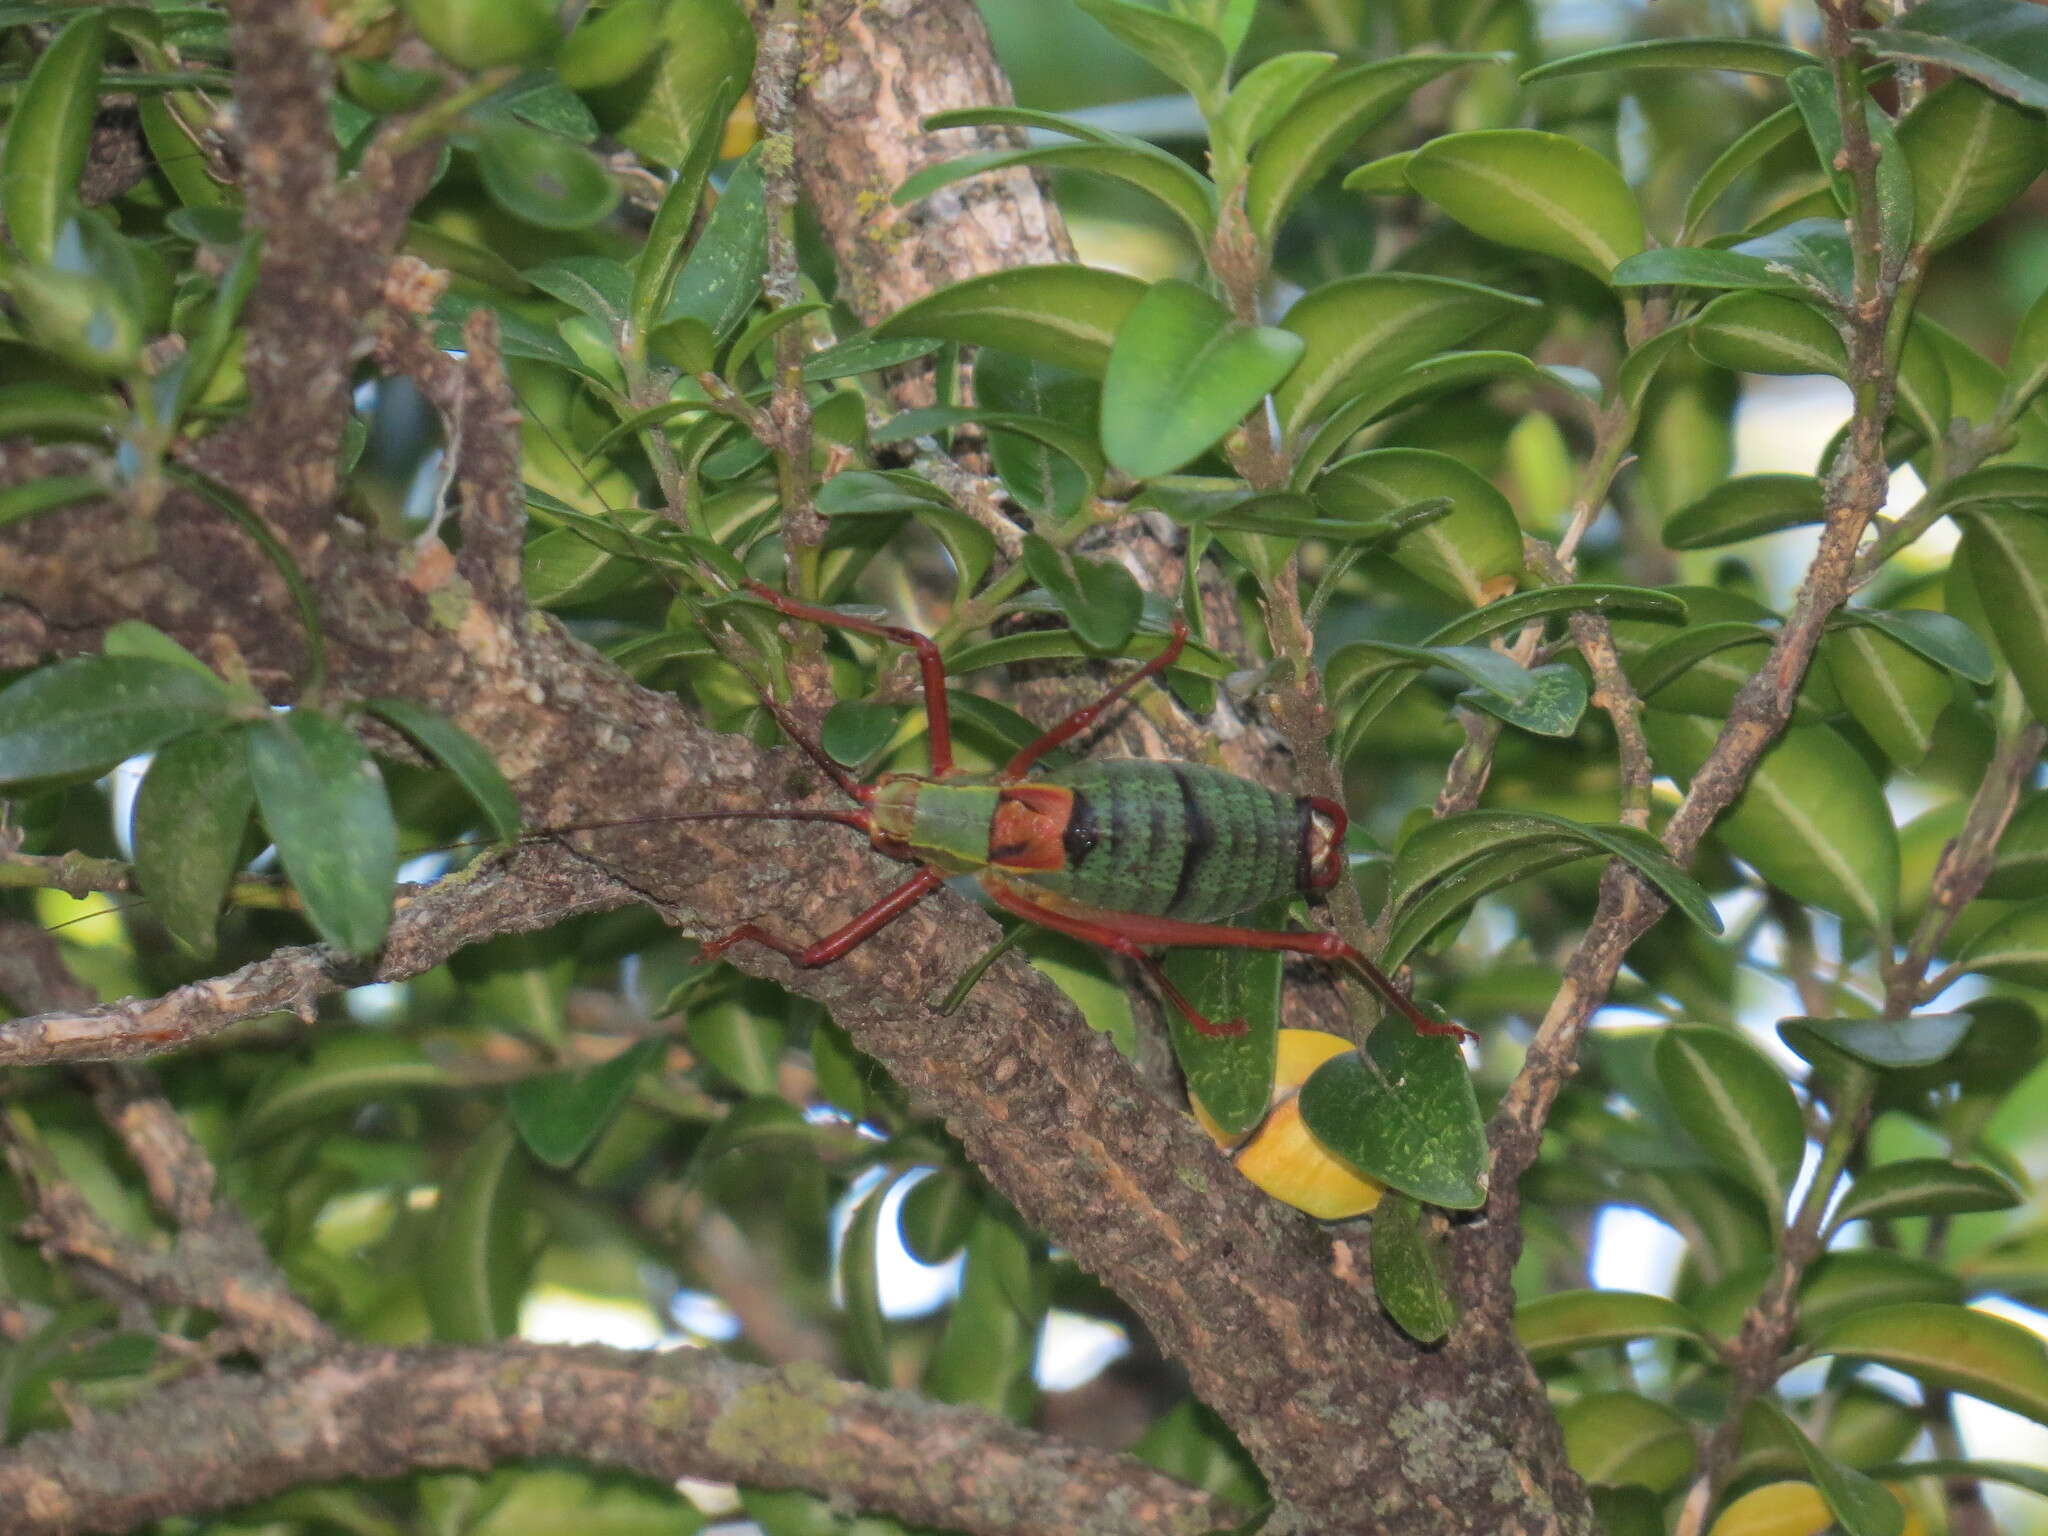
1175 840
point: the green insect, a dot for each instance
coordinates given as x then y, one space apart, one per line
1131 855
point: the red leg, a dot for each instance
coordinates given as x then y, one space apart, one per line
1128 933
938 716
833 945
1087 715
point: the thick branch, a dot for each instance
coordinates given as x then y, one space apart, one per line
225 1440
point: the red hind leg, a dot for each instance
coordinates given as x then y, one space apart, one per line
938 717
837 943
1129 933
1088 714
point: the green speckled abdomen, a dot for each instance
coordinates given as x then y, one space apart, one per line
1176 840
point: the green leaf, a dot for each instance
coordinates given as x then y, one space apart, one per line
1554 706
1565 1321
1191 56
1049 476
1895 694
457 751
1619 1439
132 637
721 277
48 135
545 180
2026 366
865 354
78 718
46 408
485 34
2003 43
668 241
1861 1506
1851 1280
1326 122
1813 820
1402 1111
937 1214
1741 156
869 493
610 45
1361 331
1745 55
1264 96
560 1115
1940 637
1745 508
854 731
1474 554
1384 177
1406 1273
1766 333
346 1072
860 1285
1948 1346
190 816
1736 1105
2019 869
1917 1040
1231 1077
324 805
1927 1186
1534 191
2007 553
80 317
666 114
1100 599
2015 948
2019 1474
1181 374
593 285
1067 315
1438 375
1971 154
1185 192
1446 865
1687 266
739 1034
474 1270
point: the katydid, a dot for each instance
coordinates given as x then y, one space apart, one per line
1130 855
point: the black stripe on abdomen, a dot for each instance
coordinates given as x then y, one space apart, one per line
1198 837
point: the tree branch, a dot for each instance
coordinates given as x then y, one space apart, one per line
214 1443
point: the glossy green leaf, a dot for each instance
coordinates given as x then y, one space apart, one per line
721 277
1181 374
855 731
1049 477
1407 1272
1948 1346
937 1214
2026 366
1895 694
1736 1105
1402 1112
1554 707
1437 375
2019 1474
1766 333
1100 599
46 408
1939 637
1741 156
48 134
2015 948
868 493
1190 55
457 751
1744 55
2003 43
1861 1506
1813 820
593 285
610 45
1184 191
475 1261
1067 315
860 1286
1687 266
80 317
1566 1321
32 498
1971 154
1700 670
1361 331
2007 552
1745 508
866 354
2019 868
739 1033
1915 1041
1384 177
484 34
1623 1438
346 1072
1326 122
1231 1077
1534 191
541 178
561 1115
1265 95
1474 554
668 240
984 1357
324 806
709 58
1927 1186
78 718
190 816
1846 1281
